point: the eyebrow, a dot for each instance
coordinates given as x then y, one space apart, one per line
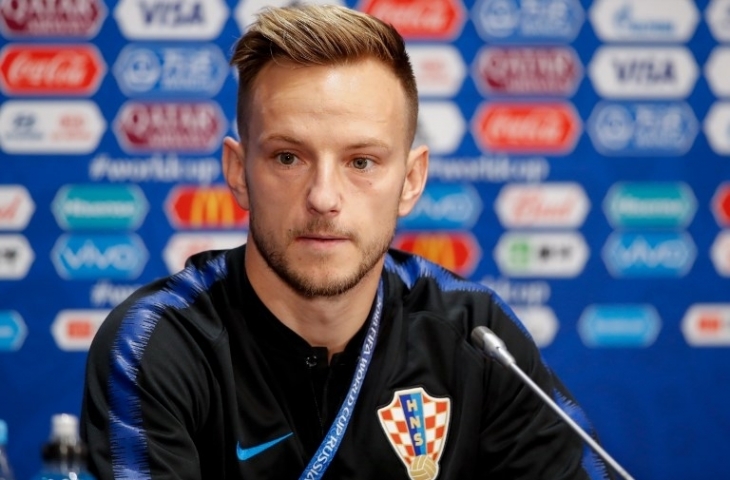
368 142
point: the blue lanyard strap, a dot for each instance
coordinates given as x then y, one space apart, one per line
326 451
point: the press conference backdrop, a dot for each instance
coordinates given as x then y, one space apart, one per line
579 167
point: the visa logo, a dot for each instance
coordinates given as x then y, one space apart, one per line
645 71
115 256
445 207
649 254
172 13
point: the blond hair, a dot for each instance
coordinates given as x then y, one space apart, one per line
319 35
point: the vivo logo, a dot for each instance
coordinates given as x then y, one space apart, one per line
119 256
649 254
445 207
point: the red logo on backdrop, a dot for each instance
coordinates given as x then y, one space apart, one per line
721 204
528 70
50 70
549 128
51 18
456 251
420 19
193 207
187 127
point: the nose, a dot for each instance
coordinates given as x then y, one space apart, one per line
324 196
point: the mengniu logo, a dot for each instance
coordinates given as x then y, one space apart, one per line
420 19
548 128
455 251
90 257
194 207
50 69
38 18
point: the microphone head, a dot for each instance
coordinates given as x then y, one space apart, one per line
490 344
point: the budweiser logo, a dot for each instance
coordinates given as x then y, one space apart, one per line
535 205
50 70
440 19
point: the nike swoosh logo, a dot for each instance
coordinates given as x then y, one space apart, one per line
247 453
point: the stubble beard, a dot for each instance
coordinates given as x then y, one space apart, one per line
274 255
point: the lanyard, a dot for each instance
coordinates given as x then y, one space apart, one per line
326 451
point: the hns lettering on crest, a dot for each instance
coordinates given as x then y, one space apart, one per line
441 126
12 331
99 256
537 21
439 69
171 19
650 254
643 129
194 207
246 10
456 251
49 18
416 425
643 72
668 205
174 70
99 207
619 325
644 20
16 207
440 20
444 206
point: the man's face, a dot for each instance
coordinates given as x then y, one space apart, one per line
325 162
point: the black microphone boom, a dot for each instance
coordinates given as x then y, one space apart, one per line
491 345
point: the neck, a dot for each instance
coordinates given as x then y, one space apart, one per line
322 321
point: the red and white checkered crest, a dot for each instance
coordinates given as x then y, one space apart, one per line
416 425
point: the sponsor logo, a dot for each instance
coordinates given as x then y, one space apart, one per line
246 11
181 246
643 72
193 207
455 251
542 21
38 18
549 128
440 126
707 325
559 255
644 20
721 204
720 253
50 127
717 71
666 254
650 205
73 330
619 326
245 454
170 70
519 292
16 257
171 19
494 169
188 127
416 425
12 331
444 206
109 256
527 70
717 16
717 127
542 205
156 168
420 19
630 129
50 69
104 293
99 207
540 321
439 69
16 207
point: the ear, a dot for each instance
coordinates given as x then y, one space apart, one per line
234 170
415 181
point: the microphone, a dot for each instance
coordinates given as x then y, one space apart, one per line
491 345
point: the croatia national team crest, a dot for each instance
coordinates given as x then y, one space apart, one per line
416 425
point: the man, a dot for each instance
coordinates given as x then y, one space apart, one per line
314 350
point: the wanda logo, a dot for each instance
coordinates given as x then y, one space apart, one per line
551 128
420 19
50 70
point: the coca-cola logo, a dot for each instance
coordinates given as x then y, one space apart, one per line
45 18
551 128
420 19
169 126
46 69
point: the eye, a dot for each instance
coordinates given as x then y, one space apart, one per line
286 158
362 163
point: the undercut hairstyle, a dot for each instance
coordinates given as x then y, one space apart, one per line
319 35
